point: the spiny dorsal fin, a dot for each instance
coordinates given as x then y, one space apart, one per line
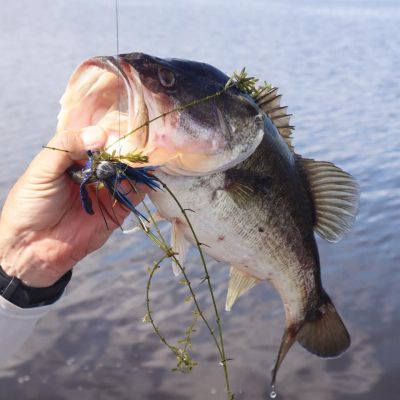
335 195
179 245
269 101
239 284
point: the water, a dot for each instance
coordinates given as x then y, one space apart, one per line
337 64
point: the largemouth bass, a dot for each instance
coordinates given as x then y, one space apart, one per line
256 202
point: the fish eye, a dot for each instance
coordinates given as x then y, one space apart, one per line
167 77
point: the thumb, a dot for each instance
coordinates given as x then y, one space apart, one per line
67 147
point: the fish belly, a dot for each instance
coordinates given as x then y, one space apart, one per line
217 223
231 235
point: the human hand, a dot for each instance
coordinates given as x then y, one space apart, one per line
44 231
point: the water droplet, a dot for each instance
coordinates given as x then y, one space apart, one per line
273 394
213 391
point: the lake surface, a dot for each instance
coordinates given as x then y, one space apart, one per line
337 64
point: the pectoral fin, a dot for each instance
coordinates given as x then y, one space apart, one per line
242 185
179 245
239 283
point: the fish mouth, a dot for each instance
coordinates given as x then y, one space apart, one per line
107 92
123 95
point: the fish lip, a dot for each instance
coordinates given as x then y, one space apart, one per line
178 171
111 64
118 66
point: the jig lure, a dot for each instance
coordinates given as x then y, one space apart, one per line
107 171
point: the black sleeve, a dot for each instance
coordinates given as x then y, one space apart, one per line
13 290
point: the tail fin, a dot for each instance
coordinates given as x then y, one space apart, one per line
325 334
322 334
288 338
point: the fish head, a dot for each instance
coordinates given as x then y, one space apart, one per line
177 112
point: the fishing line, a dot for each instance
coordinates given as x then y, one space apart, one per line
116 25
119 73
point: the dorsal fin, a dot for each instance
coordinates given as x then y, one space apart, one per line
335 195
239 284
269 101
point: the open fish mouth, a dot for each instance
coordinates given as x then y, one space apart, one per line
107 92
173 111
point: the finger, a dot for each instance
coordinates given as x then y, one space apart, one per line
72 146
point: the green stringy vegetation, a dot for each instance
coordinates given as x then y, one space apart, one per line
247 84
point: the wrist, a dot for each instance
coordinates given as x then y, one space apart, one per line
23 296
35 263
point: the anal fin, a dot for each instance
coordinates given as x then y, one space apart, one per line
239 283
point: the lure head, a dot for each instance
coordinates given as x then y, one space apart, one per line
176 112
106 170
95 171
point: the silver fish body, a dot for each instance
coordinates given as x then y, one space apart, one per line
260 218
228 157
